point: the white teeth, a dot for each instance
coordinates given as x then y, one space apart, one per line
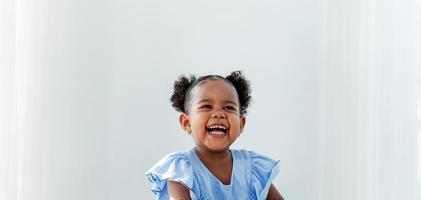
220 127
213 130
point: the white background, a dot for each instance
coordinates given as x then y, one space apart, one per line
85 89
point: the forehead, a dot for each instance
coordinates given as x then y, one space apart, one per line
216 90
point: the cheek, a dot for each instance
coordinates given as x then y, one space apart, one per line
235 123
198 122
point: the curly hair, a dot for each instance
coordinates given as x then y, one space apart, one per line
182 94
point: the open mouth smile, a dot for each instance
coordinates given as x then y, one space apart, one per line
217 130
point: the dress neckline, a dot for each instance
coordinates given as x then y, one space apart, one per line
202 165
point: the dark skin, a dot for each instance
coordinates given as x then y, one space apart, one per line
213 101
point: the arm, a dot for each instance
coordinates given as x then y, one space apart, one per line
177 191
273 193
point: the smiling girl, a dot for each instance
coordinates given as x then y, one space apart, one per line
212 110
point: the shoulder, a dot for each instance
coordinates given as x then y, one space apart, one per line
263 170
171 163
175 166
255 158
178 156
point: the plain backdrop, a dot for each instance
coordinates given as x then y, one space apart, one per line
85 88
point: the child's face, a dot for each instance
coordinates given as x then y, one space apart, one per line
214 119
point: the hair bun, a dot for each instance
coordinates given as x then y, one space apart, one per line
181 85
242 85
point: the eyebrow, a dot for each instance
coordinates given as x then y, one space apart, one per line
209 100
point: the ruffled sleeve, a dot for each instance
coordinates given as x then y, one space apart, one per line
175 167
263 171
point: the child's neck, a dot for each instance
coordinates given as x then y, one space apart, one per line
218 163
213 157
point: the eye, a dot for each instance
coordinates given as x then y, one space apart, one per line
205 106
232 108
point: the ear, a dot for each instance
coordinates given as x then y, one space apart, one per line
242 123
185 122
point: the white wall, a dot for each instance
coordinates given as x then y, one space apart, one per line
86 87
371 96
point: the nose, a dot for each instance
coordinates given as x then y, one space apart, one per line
219 114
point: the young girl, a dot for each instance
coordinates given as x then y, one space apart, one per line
213 112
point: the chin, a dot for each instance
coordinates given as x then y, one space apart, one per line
218 150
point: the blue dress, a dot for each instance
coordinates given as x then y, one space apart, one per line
251 176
